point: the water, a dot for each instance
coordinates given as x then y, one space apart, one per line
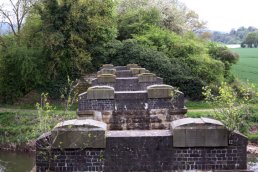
24 162
16 162
233 45
252 162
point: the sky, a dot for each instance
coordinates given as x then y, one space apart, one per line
223 15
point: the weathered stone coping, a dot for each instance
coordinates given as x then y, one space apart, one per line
194 121
74 123
76 133
123 78
44 135
129 92
139 133
99 92
199 132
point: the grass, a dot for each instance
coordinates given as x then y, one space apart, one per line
247 67
20 125
197 105
33 107
198 114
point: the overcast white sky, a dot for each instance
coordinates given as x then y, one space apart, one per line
223 15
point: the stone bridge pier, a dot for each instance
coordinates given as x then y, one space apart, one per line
130 121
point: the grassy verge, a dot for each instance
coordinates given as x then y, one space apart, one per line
59 107
197 105
21 126
198 114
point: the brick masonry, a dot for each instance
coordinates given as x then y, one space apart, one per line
146 151
132 101
99 105
156 153
128 84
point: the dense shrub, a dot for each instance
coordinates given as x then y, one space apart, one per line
223 54
173 71
170 43
138 21
20 72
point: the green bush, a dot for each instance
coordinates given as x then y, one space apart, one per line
173 71
21 70
170 43
223 54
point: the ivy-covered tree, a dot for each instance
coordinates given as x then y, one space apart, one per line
173 15
95 23
64 48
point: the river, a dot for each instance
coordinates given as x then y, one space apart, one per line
24 162
16 162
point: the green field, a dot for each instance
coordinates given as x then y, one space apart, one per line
247 67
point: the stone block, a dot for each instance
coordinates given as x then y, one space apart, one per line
137 71
74 134
101 92
194 137
129 66
199 132
216 137
106 78
179 138
160 91
106 71
107 66
147 77
86 114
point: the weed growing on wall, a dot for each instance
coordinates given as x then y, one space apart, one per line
70 93
45 114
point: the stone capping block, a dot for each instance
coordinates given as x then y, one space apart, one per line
129 66
147 77
199 132
160 91
74 134
100 92
106 71
138 133
107 66
86 113
106 78
137 71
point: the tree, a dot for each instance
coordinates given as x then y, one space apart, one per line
135 22
14 13
174 15
193 22
63 45
96 24
251 39
225 55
